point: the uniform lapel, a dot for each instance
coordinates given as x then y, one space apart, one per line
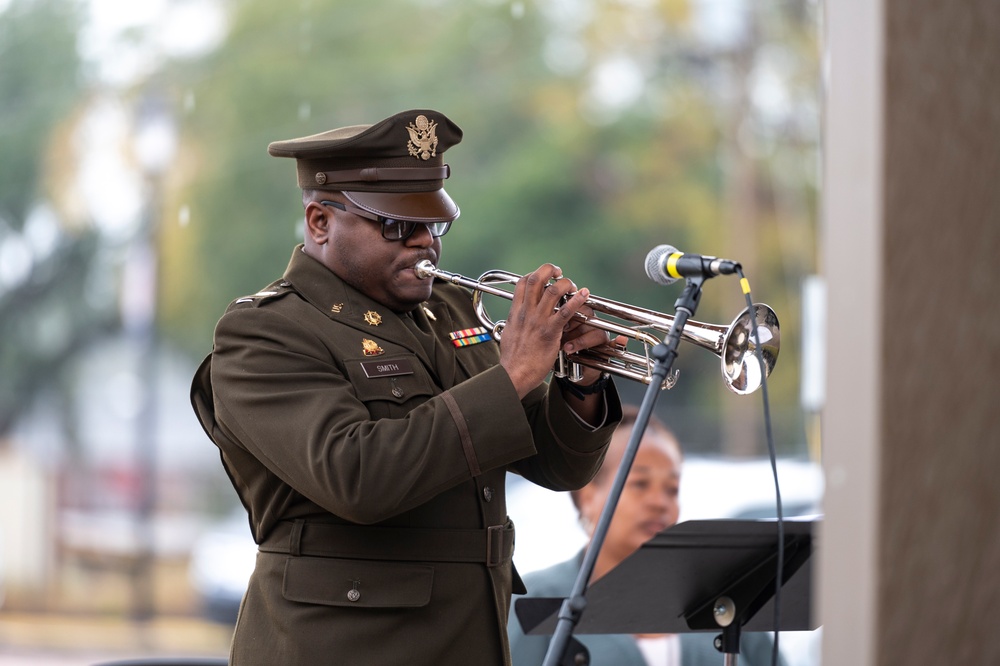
344 304
439 320
468 359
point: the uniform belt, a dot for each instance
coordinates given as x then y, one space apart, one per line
492 546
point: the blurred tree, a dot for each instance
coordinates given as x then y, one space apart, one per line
38 86
537 179
46 264
593 132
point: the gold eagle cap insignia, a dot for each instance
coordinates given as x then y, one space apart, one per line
370 347
423 138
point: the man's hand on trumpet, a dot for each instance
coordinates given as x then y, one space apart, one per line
540 324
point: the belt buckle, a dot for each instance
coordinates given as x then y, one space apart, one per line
494 545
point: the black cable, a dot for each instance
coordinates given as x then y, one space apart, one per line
745 285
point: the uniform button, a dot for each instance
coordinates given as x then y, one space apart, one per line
488 494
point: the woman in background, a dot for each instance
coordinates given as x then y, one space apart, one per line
648 504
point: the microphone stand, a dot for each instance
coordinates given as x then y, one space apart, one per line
663 354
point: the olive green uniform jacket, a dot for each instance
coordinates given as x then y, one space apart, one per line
370 453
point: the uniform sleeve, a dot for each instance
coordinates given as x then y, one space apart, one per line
569 452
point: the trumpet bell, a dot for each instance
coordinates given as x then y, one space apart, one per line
741 370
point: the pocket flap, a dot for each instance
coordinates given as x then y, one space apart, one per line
362 583
403 378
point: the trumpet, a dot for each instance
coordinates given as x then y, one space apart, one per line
735 344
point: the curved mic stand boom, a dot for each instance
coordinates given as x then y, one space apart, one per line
663 355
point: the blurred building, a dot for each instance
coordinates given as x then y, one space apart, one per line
72 479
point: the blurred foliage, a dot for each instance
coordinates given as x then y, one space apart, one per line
552 167
49 269
594 131
38 87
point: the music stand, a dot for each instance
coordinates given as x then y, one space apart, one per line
704 575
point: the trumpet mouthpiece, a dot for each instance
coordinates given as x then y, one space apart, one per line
424 269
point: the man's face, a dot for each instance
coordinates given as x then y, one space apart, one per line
381 269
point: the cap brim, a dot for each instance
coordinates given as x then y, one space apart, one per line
425 207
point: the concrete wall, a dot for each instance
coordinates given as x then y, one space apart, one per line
910 556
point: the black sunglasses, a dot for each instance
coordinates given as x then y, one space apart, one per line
392 229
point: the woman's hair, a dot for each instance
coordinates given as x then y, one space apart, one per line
630 413
655 427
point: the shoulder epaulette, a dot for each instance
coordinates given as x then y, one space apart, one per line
275 290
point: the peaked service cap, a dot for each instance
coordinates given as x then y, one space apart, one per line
393 168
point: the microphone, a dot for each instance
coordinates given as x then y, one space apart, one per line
665 264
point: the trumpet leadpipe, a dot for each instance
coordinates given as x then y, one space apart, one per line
425 269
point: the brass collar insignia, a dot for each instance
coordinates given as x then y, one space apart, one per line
373 318
336 308
423 138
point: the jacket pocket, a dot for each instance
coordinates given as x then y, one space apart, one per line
360 583
392 386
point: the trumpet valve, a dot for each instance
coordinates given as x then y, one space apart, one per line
568 369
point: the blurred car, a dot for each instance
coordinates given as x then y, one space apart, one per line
222 560
720 487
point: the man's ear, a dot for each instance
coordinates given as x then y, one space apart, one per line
319 219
